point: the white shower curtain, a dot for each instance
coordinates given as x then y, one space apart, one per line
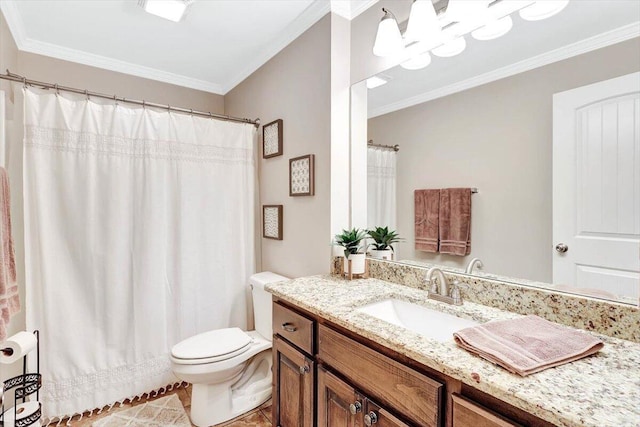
381 188
139 228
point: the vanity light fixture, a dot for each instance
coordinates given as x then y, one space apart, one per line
466 10
388 38
173 10
442 32
543 9
423 22
376 81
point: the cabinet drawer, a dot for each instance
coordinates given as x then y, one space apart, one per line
294 327
469 414
409 392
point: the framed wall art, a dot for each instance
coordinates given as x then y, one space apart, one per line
272 139
272 222
301 180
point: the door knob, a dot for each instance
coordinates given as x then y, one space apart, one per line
304 369
562 248
355 407
370 419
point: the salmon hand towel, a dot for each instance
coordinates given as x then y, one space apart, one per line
9 298
528 344
455 221
427 207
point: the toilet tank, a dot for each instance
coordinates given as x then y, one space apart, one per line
262 301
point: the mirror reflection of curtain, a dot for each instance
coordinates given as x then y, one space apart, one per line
381 188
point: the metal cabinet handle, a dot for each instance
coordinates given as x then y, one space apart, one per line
355 407
370 419
289 327
562 248
304 369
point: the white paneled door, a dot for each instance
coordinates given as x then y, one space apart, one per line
596 187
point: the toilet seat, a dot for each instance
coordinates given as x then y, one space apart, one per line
212 346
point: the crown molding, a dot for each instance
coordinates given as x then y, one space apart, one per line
587 45
347 10
302 23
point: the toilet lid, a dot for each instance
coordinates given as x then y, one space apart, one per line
212 344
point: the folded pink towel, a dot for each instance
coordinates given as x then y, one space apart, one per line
528 344
455 221
427 206
9 298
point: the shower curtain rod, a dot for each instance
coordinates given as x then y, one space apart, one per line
390 147
21 79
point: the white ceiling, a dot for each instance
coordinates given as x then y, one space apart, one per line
584 25
216 45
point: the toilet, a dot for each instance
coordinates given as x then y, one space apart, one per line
230 369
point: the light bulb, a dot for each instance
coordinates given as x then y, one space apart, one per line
464 10
388 39
451 48
494 29
423 22
543 9
417 62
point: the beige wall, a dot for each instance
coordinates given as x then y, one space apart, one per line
44 68
295 86
497 137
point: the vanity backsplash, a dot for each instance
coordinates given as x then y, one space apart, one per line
604 317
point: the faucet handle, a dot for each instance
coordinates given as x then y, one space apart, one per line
455 292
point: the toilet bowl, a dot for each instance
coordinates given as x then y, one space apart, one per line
230 369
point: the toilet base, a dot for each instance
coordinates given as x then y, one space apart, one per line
213 404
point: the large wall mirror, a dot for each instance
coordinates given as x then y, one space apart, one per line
552 147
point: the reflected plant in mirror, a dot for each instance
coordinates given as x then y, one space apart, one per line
383 240
551 143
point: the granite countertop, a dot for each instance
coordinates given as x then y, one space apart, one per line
600 391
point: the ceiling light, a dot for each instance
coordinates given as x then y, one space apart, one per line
543 9
375 81
450 48
464 10
493 30
388 39
417 62
173 10
423 22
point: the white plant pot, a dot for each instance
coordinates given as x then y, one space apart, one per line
357 263
382 254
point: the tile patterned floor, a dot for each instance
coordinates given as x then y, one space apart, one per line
260 417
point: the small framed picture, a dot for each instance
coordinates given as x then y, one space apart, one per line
272 139
272 222
301 176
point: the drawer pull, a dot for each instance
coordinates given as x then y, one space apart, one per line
355 407
304 369
289 327
370 419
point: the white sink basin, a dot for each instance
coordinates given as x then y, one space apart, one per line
433 324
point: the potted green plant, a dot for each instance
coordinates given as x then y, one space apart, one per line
383 239
351 241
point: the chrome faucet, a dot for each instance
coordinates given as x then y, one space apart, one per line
443 289
473 263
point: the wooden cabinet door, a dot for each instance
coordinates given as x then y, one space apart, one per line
377 416
466 413
293 380
335 398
